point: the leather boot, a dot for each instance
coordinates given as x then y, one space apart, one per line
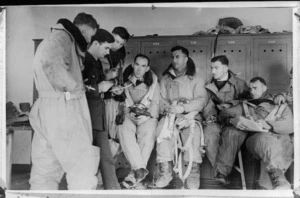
193 180
165 175
278 179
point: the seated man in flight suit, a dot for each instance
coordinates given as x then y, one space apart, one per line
273 147
137 134
183 95
224 89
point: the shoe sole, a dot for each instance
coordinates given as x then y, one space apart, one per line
221 181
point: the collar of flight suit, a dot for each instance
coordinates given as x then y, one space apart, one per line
227 87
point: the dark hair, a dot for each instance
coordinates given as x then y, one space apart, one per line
122 32
222 58
85 19
260 79
142 56
183 49
103 36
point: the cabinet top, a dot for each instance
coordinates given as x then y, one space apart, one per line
203 36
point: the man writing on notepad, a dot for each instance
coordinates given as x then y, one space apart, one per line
274 147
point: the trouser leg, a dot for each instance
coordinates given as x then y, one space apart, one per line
231 141
164 149
276 151
195 144
146 138
129 145
46 171
107 167
111 110
212 142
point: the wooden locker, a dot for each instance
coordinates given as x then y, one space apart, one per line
200 51
35 92
132 48
272 60
159 52
238 51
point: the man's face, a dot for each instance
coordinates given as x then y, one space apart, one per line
102 49
87 32
179 60
119 42
218 70
140 67
257 89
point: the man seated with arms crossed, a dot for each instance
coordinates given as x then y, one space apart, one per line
274 147
224 89
182 95
137 134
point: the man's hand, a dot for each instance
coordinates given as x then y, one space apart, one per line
237 123
264 124
117 89
141 119
224 106
104 86
279 99
177 109
133 118
210 119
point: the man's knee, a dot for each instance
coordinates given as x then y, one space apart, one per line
231 133
211 133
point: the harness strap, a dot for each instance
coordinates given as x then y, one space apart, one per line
188 146
246 109
146 101
275 113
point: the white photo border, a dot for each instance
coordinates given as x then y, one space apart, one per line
176 193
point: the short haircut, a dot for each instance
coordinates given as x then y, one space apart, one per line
85 19
183 49
222 58
122 32
260 79
142 56
103 36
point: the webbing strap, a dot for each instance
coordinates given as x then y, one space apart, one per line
246 109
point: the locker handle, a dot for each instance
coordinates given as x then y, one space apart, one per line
193 42
156 43
272 41
231 42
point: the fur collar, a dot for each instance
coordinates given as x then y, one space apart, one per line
266 97
70 27
128 73
190 69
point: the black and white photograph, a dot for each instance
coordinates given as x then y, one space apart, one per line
150 99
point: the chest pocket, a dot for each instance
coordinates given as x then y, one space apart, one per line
173 92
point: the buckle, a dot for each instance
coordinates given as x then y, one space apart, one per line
67 95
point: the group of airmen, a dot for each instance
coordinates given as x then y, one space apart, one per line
88 99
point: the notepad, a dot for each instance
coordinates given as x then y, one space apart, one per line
252 125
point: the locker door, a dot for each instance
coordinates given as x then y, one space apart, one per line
35 93
200 52
132 48
159 52
273 60
237 49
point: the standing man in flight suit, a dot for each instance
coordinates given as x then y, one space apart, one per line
60 118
